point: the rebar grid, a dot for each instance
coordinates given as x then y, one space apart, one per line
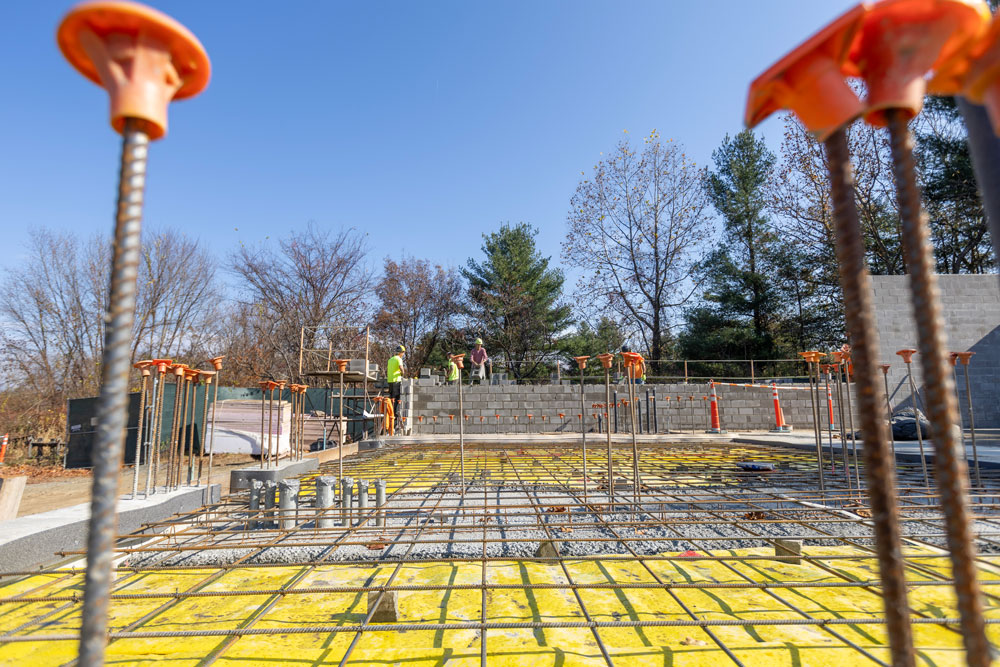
517 497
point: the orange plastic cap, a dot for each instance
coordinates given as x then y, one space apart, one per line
631 358
207 376
581 361
974 73
906 354
341 365
217 362
458 359
808 81
142 57
606 359
953 358
885 369
900 41
965 357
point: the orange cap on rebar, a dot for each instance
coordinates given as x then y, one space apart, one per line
906 354
808 81
162 365
885 369
606 359
458 359
217 362
143 366
142 57
631 358
900 41
581 361
341 364
974 74
953 358
207 376
965 357
178 369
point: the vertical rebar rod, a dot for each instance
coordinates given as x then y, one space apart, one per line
157 395
916 419
174 422
186 387
211 442
850 423
194 419
112 407
461 431
611 467
656 421
888 409
270 425
340 428
843 428
138 436
263 405
830 429
583 435
204 434
950 467
860 318
636 482
972 424
816 434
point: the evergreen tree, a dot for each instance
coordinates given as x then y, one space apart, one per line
743 302
959 230
515 299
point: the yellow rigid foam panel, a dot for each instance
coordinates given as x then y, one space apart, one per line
754 645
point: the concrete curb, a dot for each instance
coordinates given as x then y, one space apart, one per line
34 539
240 479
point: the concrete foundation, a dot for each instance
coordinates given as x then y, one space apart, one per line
32 540
240 479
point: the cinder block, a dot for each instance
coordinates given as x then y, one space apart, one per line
788 551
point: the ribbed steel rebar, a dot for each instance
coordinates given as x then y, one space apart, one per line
112 408
138 437
950 464
859 314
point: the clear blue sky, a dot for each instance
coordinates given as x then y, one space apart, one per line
424 123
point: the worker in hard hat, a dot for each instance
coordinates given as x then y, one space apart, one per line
451 370
394 376
636 371
479 359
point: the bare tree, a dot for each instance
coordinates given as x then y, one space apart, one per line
635 228
312 278
51 306
419 303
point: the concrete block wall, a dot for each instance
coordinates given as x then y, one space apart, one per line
971 310
740 408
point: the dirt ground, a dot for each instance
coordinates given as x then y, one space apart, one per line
52 487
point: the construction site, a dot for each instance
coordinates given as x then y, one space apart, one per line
617 510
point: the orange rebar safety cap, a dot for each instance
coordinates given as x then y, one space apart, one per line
142 57
808 81
900 41
906 354
974 74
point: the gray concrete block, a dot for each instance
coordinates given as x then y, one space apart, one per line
387 610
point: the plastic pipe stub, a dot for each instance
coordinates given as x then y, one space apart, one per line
900 41
142 57
808 81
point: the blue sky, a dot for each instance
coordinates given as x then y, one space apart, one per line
425 123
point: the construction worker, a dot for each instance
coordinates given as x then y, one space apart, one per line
394 376
478 357
452 370
637 371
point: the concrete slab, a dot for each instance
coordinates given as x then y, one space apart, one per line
34 539
240 479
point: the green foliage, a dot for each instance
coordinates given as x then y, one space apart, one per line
959 230
587 340
742 302
515 299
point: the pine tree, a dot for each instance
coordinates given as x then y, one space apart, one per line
515 299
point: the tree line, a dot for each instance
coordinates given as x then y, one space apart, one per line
731 260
